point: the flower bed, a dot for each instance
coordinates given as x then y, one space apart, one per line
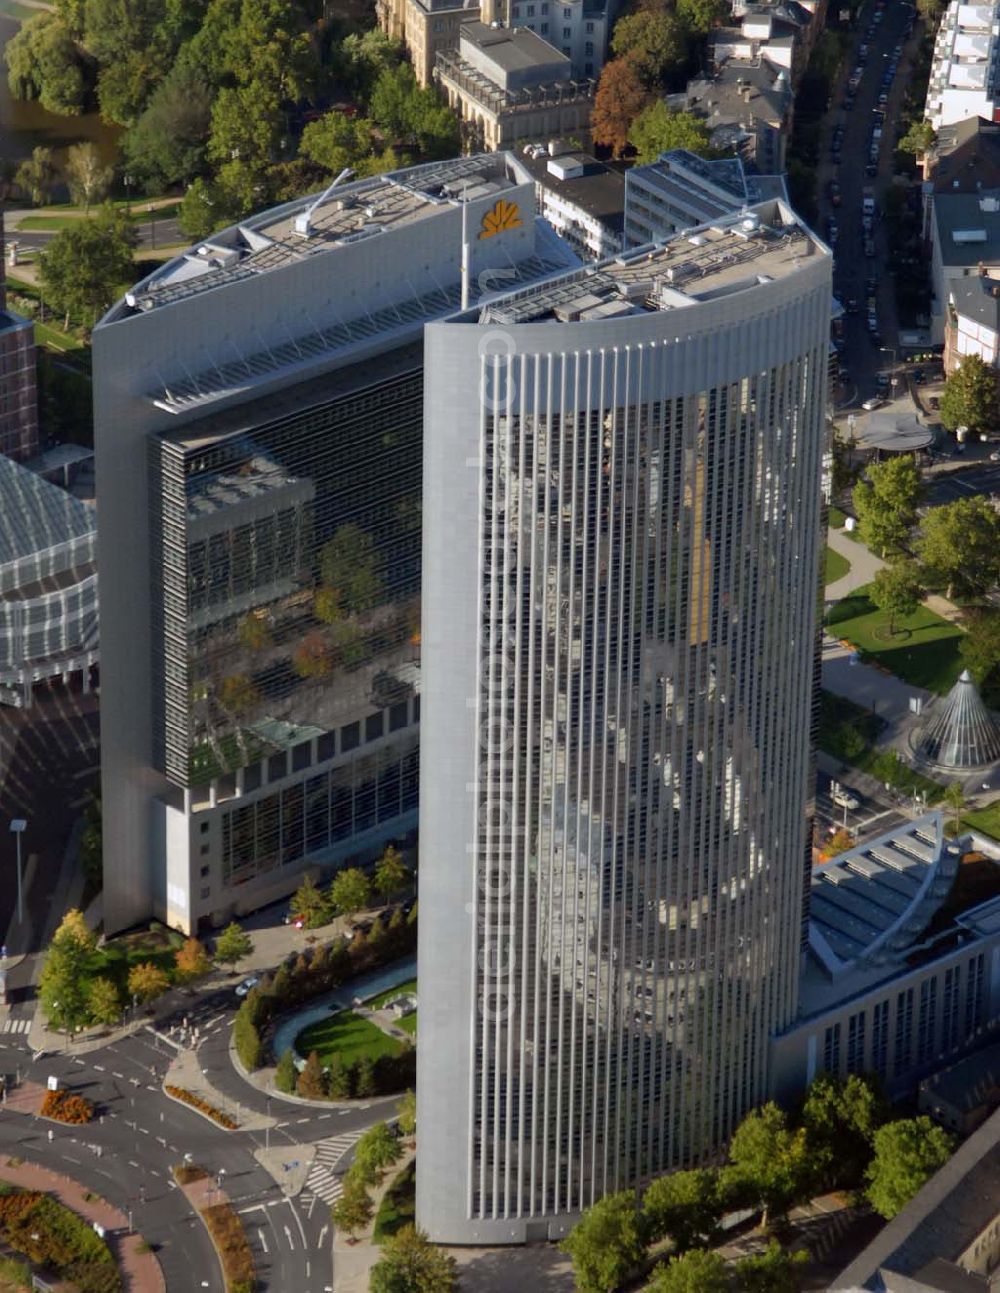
231 1244
188 1173
49 1234
196 1102
64 1106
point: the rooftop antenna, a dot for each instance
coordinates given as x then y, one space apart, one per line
302 221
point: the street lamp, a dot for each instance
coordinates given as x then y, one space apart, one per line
17 828
128 196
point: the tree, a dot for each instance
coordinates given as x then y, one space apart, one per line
86 174
980 646
310 903
700 16
246 124
839 842
86 266
63 986
621 96
340 1078
311 1084
364 1077
655 39
44 63
353 1210
697 1271
773 1271
253 632
232 945
191 961
897 590
970 397
311 658
684 1205
247 1038
103 1001
348 564
378 1149
123 86
410 1263
336 140
147 981
606 1244
907 1153
391 872
206 206
954 797
285 1073
350 891
407 1111
37 175
919 139
840 1119
958 546
237 693
401 109
886 504
113 29
769 1160
167 143
657 129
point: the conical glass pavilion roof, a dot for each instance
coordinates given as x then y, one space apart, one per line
963 733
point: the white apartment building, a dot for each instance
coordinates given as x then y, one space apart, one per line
965 79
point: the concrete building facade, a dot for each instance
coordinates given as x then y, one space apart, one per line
258 412
621 544
965 78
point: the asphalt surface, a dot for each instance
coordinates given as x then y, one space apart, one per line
875 814
862 355
152 234
978 478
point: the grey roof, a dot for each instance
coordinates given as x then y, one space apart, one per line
966 156
600 190
35 514
515 49
962 734
955 1205
962 214
873 902
978 298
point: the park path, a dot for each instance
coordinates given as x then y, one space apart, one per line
864 565
140 1270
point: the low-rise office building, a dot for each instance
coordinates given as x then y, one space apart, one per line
582 198
902 970
258 419
510 86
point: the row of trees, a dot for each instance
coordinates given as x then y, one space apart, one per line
79 986
350 890
85 173
841 1138
346 1079
655 45
311 974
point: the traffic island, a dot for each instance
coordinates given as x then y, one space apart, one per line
47 1202
185 1082
205 1194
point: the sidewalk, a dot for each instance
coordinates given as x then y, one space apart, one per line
14 215
140 1269
864 565
185 1071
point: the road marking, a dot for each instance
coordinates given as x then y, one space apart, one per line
153 1171
325 1115
308 1270
322 1236
119 1075
263 1241
298 1222
301 1120
253 1207
70 1159
151 1088
131 1164
291 1241
98 1068
282 1124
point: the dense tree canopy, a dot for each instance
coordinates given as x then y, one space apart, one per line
621 96
43 63
886 503
769 1161
897 590
971 397
907 1153
167 143
959 546
656 39
84 267
606 1244
657 129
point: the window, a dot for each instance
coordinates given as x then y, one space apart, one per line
531 11
588 48
567 33
251 777
545 28
206 892
567 12
204 871
326 747
398 716
373 726
590 28
204 849
831 1049
350 737
856 1043
204 828
277 766
904 1032
880 1038
301 756
567 51
588 69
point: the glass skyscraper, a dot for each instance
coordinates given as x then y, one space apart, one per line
622 533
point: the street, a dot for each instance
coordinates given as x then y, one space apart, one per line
863 355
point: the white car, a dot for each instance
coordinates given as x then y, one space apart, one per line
845 798
875 402
247 985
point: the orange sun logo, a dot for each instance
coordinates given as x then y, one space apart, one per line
503 215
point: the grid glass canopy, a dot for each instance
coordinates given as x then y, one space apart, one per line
963 734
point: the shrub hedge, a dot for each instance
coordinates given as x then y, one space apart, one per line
196 1102
64 1106
232 1246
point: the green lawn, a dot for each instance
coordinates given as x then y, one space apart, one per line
398 1207
985 820
408 1024
404 990
53 223
836 566
347 1035
923 651
19 12
836 518
117 957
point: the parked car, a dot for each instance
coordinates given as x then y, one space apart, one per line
995 456
934 403
875 402
834 191
869 246
845 798
247 985
919 376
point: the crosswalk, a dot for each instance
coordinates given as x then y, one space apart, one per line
321 1180
14 1025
